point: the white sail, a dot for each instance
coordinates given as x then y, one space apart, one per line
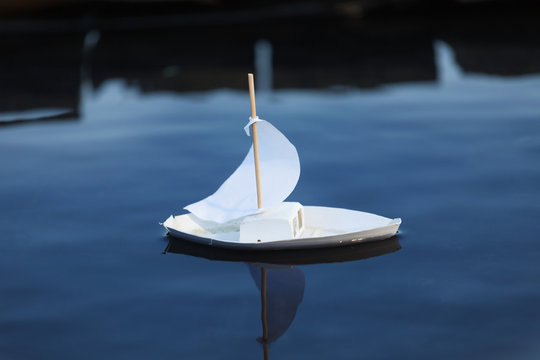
237 196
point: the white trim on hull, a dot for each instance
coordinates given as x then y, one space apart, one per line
324 227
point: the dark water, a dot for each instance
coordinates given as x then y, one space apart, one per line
82 270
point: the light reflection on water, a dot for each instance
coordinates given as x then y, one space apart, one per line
457 160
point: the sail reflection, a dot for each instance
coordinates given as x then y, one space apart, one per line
282 291
280 282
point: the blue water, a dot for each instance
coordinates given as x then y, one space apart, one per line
82 270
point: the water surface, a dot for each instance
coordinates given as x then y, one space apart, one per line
83 274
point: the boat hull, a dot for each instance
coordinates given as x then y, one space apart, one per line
325 227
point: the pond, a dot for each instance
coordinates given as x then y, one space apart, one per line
456 157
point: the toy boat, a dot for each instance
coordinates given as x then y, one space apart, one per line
234 217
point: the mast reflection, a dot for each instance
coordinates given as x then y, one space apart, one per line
282 291
280 282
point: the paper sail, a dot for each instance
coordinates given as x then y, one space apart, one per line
237 196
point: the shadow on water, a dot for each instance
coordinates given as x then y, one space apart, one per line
280 282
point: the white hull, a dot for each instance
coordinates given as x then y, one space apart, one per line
324 227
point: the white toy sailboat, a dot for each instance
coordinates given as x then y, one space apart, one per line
234 216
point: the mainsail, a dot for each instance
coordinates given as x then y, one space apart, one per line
237 196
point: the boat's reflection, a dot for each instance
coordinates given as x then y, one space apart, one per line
287 257
282 291
280 282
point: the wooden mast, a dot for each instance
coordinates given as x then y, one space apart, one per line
255 140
